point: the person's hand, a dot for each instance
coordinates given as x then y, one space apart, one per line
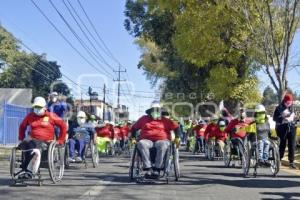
177 142
133 140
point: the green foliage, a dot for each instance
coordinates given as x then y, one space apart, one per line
23 70
226 85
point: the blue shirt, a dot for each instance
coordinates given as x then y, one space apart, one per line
59 108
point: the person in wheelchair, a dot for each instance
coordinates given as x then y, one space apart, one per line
218 133
199 131
263 132
237 128
105 134
155 135
80 133
125 130
41 125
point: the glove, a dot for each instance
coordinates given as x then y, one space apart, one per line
177 142
133 140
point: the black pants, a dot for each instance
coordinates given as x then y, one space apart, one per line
27 155
287 134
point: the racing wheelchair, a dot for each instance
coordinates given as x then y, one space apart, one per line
170 167
90 151
52 158
274 157
235 151
213 150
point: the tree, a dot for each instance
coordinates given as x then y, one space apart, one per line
273 24
269 96
23 70
182 48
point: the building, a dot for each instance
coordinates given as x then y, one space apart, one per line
96 107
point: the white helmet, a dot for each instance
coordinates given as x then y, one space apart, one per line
222 123
39 102
155 104
106 122
54 94
260 108
112 123
81 114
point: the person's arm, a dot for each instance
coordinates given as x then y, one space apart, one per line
23 126
62 127
277 116
137 126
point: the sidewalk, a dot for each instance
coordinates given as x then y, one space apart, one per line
5 152
285 160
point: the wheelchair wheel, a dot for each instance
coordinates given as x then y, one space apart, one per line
227 154
176 162
274 159
67 154
109 149
135 168
252 160
95 154
211 151
13 163
243 154
55 162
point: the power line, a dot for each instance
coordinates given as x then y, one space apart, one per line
83 44
64 37
84 32
97 34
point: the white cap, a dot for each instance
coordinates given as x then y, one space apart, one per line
155 104
222 123
81 114
260 108
54 94
39 101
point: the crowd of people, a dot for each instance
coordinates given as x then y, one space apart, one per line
156 129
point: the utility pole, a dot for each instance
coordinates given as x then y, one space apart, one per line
90 90
104 104
119 80
119 85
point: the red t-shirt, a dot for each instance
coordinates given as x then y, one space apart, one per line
218 134
118 133
42 127
106 131
200 130
155 130
210 129
125 131
239 126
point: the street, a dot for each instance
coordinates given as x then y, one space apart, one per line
200 180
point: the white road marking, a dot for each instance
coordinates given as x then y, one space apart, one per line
96 190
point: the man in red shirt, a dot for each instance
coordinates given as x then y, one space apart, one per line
155 132
106 131
125 134
217 132
199 131
41 123
237 127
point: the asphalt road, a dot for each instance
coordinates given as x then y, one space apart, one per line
200 180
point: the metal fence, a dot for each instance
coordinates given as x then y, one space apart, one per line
11 117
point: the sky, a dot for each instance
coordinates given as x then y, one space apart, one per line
27 24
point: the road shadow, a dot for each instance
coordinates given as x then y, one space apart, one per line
282 195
